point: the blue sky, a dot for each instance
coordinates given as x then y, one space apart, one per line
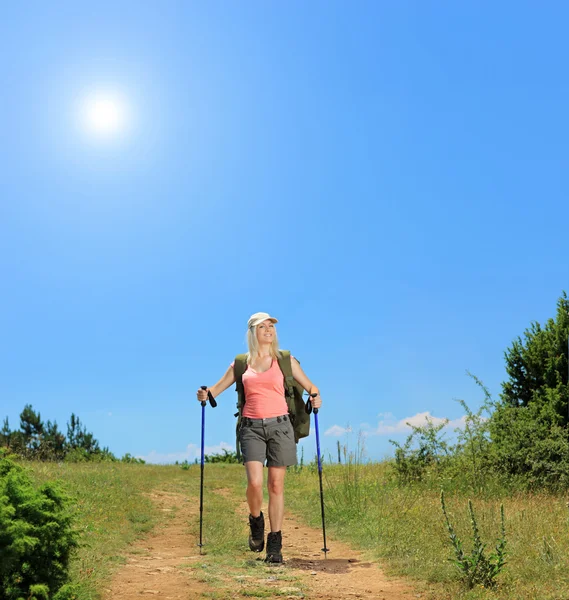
390 180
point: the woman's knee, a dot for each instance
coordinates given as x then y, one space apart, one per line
255 485
276 486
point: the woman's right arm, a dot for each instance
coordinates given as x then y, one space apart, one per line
227 380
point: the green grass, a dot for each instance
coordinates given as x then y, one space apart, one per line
404 527
112 508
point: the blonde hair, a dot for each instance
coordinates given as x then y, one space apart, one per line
253 344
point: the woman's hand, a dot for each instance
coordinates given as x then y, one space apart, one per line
202 395
227 380
316 400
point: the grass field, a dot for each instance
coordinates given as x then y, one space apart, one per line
402 526
112 508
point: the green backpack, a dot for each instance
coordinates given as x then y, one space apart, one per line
299 418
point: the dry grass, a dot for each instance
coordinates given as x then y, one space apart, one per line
404 527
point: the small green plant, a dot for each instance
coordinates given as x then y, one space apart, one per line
299 465
477 568
472 451
548 552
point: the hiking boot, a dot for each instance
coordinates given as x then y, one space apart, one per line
274 547
257 535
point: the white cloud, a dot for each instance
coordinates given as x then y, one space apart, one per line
459 423
389 426
191 452
337 431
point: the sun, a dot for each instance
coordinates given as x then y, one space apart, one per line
105 115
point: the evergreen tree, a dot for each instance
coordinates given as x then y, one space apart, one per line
32 429
5 434
80 440
529 427
538 364
73 431
39 441
53 444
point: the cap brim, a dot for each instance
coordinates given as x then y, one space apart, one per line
259 321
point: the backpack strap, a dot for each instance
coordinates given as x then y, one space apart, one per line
239 367
286 368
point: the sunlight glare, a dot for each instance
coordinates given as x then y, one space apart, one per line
105 115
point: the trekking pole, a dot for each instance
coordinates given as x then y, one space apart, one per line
213 404
309 410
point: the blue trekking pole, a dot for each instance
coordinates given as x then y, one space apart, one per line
213 405
309 410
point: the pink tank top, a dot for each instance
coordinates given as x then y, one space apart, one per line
264 393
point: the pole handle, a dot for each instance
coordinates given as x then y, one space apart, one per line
308 407
211 399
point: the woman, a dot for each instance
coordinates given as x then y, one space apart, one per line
266 433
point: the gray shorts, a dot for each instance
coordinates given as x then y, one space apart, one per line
268 439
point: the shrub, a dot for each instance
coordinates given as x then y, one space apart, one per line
36 536
530 443
431 455
129 458
226 457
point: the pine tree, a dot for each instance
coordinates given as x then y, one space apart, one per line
53 444
529 427
32 429
539 364
5 434
73 431
79 439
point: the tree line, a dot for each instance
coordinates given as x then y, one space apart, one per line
39 440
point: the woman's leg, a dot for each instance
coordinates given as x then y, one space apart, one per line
254 486
276 497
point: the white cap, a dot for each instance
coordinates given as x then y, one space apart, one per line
258 318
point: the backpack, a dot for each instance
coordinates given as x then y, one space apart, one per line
299 418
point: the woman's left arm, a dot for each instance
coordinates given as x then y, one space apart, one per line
301 377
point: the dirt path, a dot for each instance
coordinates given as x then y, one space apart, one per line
342 574
160 565
165 564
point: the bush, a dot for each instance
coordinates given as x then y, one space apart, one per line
226 457
423 454
531 444
129 458
36 536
